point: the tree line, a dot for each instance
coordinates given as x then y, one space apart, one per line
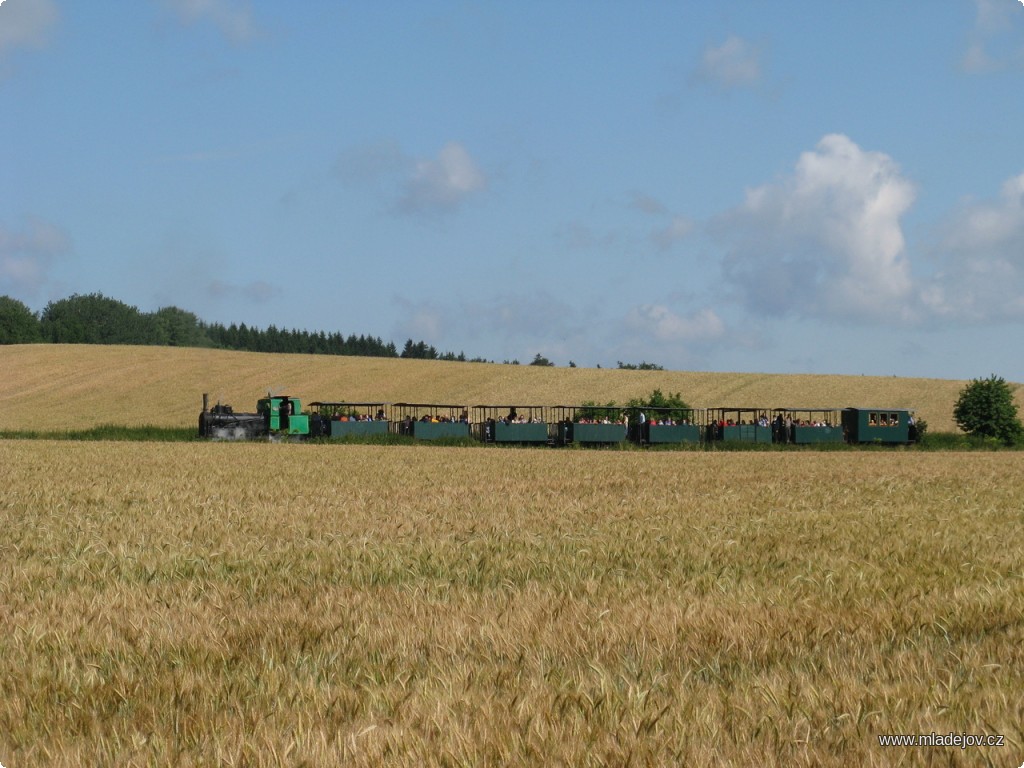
98 319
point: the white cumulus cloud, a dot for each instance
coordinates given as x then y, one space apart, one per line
826 241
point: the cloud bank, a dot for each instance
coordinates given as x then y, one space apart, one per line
980 261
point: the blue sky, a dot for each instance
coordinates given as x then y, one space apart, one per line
724 186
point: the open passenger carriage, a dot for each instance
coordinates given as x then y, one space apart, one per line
807 426
743 425
589 424
511 424
340 420
666 426
430 421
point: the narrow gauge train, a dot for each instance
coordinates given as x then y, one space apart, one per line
560 424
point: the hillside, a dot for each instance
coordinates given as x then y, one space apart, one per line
46 386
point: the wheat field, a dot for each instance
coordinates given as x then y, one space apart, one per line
284 605
46 387
279 604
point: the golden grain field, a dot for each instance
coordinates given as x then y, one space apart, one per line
47 387
282 605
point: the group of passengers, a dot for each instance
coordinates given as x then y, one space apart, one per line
886 420
514 417
789 422
784 427
442 419
520 419
405 427
760 422
361 417
663 421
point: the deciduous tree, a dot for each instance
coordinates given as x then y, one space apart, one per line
18 324
986 408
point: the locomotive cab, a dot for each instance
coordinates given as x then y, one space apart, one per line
282 415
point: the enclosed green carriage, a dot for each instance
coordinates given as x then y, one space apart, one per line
886 426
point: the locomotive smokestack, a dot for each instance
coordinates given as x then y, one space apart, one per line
206 402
